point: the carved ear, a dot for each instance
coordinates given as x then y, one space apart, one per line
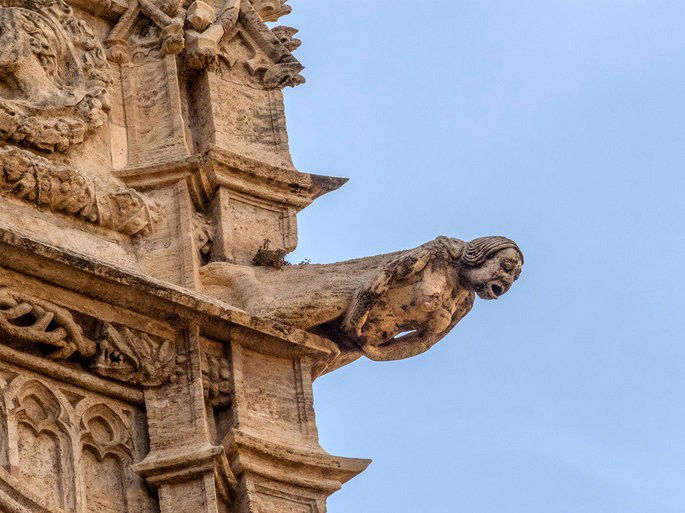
145 347
167 352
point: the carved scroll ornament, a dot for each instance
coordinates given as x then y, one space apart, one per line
63 189
42 324
53 75
119 353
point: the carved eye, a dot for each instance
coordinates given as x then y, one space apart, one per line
507 265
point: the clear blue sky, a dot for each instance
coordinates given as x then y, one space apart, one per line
558 124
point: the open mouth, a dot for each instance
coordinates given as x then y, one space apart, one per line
109 359
491 290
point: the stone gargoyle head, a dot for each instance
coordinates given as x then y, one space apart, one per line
490 266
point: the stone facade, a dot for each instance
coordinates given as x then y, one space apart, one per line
157 351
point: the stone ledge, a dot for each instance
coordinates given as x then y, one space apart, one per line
222 168
153 298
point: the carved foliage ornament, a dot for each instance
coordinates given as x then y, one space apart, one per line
53 75
120 353
216 384
63 189
205 234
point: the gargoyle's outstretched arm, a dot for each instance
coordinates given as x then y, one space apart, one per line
418 341
405 264
402 347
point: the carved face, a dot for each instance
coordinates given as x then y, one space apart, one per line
496 276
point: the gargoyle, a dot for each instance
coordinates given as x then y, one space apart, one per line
387 307
133 357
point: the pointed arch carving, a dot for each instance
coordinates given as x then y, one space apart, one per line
107 453
104 431
69 450
43 450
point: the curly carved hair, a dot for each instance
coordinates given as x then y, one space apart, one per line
476 252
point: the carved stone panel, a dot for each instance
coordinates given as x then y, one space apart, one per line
155 130
70 448
53 89
45 456
241 119
282 407
240 238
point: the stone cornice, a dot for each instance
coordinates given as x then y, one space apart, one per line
301 467
154 298
221 168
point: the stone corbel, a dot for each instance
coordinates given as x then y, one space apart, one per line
190 462
277 477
